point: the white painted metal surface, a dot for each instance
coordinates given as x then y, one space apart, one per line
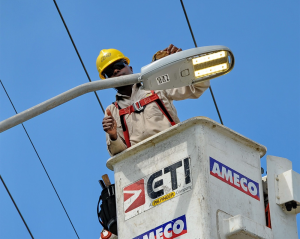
288 187
283 224
240 227
176 183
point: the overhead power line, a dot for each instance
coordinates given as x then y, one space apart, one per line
77 52
16 207
41 162
211 92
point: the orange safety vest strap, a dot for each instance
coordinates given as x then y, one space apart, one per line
139 106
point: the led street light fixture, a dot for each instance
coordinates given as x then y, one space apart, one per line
187 67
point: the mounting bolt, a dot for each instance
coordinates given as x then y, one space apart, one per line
277 179
278 197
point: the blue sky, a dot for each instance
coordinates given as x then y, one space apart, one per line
259 98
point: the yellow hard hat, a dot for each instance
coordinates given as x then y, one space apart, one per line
108 56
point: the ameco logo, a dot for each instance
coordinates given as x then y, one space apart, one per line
171 229
234 178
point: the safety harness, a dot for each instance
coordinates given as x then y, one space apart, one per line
138 107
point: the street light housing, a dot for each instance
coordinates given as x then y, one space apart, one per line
187 67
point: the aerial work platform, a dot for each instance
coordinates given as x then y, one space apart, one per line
197 179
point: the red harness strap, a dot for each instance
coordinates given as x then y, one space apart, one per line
268 217
124 126
139 106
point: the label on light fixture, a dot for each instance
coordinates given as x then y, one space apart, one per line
163 79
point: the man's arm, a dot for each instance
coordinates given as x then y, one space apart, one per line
115 143
187 92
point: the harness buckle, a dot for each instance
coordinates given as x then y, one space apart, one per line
137 107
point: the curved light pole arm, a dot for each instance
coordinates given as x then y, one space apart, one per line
67 96
170 72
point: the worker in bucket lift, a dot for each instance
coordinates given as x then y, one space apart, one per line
138 114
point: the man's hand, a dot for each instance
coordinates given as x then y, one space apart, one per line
165 52
172 49
110 125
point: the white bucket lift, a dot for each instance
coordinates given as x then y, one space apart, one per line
200 179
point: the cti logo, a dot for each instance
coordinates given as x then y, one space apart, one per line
168 230
134 195
152 187
234 178
157 188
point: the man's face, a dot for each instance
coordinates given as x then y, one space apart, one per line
117 68
125 71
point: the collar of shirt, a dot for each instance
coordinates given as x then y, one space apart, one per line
135 88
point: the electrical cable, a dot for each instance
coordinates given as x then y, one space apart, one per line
211 92
16 207
41 161
77 52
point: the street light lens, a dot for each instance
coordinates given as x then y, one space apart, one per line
210 57
211 64
211 70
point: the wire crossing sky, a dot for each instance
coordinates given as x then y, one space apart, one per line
210 89
87 74
43 168
259 98
12 199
